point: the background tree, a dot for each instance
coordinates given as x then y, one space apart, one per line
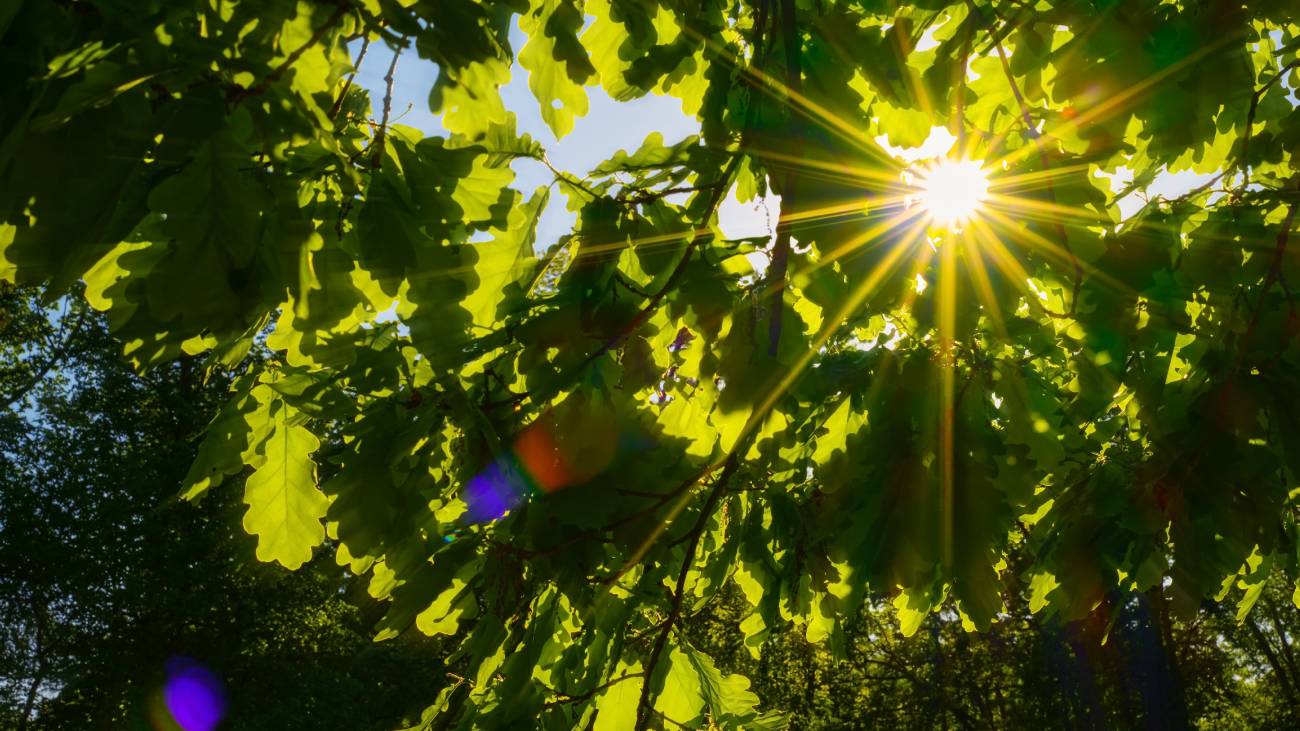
557 454
105 576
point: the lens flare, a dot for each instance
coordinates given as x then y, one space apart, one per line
192 696
953 190
551 454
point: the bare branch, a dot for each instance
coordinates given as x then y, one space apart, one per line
347 85
377 155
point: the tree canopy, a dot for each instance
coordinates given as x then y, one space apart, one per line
557 452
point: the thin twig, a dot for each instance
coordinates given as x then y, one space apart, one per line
347 85
649 196
564 177
376 156
566 698
275 75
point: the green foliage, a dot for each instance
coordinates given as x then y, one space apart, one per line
1121 668
1115 399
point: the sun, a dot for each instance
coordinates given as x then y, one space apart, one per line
952 191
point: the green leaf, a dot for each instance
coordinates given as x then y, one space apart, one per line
558 65
731 703
285 506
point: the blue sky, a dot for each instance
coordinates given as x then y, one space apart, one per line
608 127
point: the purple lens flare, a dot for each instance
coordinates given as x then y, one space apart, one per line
194 696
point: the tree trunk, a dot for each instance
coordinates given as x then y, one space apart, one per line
1159 613
1279 671
38 675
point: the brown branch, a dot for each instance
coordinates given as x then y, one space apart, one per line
1032 131
1244 161
347 85
1274 272
649 196
566 698
1274 662
42 613
701 232
780 264
643 708
293 57
377 156
959 85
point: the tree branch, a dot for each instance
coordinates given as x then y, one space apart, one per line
649 196
347 85
293 57
1274 271
1244 161
701 233
49 364
377 155
1032 131
779 267
566 698
564 177
644 708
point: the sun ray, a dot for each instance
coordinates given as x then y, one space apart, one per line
857 244
835 172
1113 104
1038 242
947 310
982 285
1037 179
1063 213
856 299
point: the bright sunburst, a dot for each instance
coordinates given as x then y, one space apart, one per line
953 190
